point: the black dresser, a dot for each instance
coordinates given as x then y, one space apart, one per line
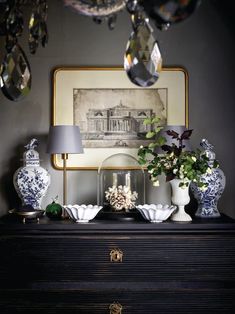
111 266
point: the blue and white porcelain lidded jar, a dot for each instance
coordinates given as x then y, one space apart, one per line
31 181
215 179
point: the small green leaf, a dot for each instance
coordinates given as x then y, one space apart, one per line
161 140
150 167
156 120
158 129
142 161
141 154
150 134
151 145
149 151
147 121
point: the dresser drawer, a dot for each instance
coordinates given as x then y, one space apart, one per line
145 259
92 302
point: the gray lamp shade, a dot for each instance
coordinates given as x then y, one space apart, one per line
169 140
64 139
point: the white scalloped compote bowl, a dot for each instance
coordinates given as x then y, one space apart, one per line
82 213
156 213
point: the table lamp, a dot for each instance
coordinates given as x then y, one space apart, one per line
64 140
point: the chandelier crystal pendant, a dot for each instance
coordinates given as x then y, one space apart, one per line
142 59
37 26
168 12
15 80
15 73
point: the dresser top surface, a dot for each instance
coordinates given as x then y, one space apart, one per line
112 224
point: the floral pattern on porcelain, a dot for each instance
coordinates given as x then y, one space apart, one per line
208 198
31 181
156 213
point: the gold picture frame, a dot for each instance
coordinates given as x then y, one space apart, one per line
80 95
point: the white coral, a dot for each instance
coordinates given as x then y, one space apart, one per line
121 197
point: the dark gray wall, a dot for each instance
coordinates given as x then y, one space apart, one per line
204 45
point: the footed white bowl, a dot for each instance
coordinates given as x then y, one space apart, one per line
156 213
82 213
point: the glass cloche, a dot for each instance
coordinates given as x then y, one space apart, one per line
121 183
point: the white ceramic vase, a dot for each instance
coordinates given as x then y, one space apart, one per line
180 197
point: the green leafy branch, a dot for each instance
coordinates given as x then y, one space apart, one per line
175 162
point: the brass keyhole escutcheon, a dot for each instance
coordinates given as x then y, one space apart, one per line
116 255
115 308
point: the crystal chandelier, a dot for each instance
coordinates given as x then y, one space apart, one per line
15 73
142 58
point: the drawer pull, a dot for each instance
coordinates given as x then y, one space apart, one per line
116 255
115 308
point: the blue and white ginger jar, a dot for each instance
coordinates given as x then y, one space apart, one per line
207 199
31 181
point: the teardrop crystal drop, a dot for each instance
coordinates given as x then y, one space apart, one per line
15 22
142 60
167 12
38 27
15 75
34 28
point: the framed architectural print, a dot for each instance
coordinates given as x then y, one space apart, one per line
110 110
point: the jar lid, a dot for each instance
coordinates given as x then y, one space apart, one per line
31 154
208 149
